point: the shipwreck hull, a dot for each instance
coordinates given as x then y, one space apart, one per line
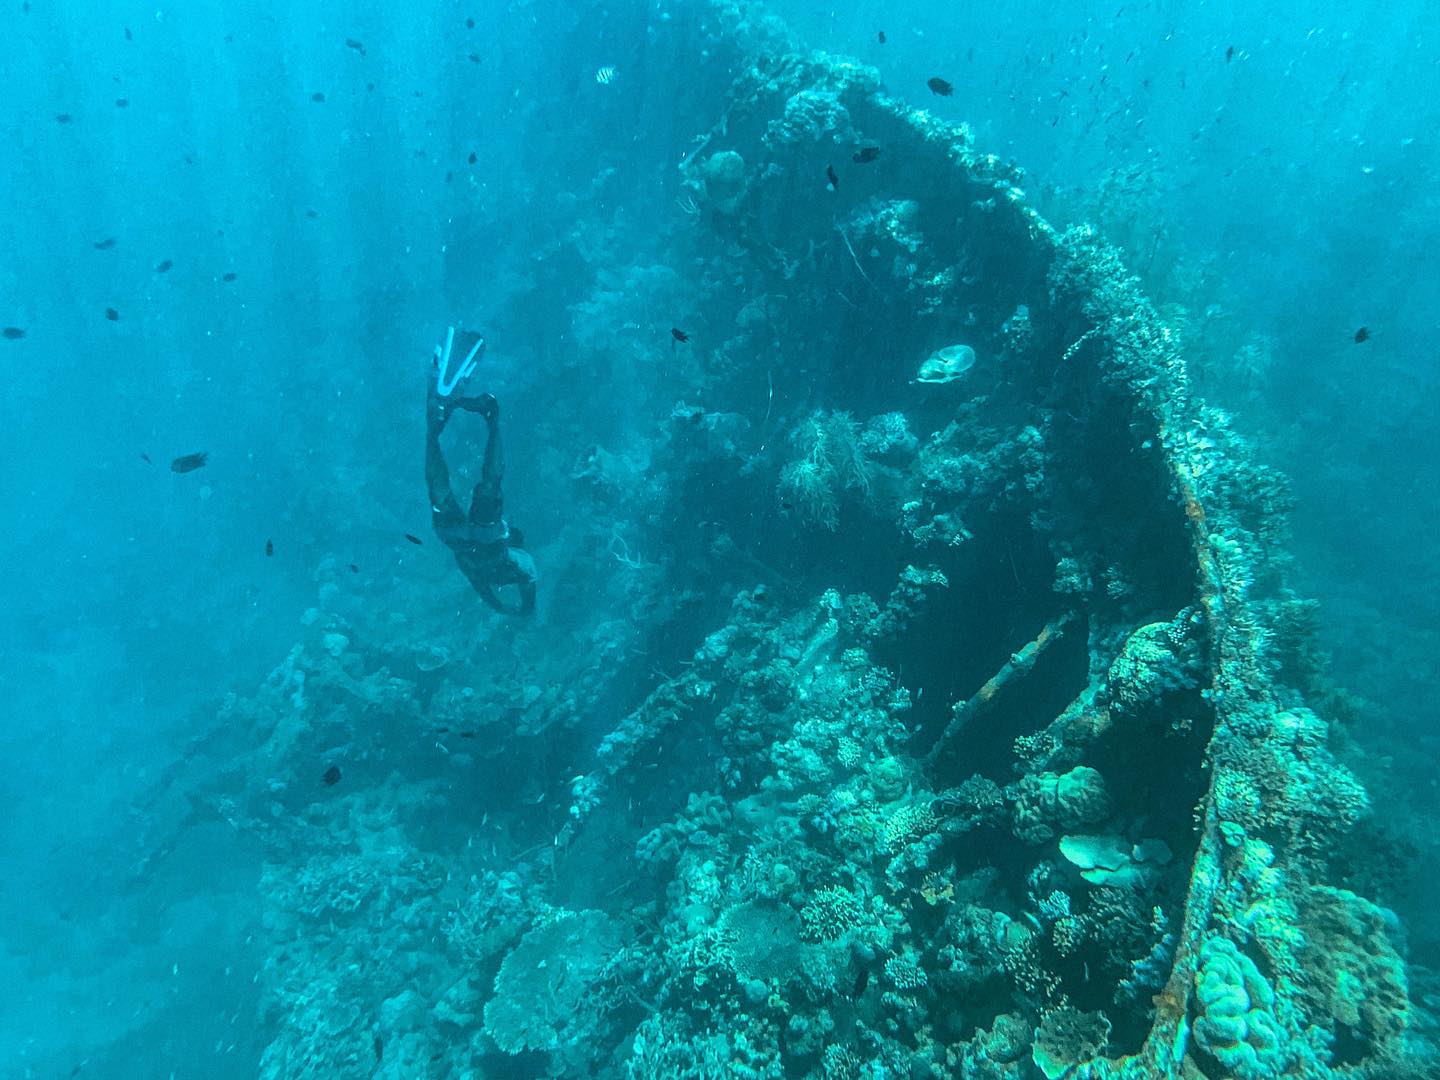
937 699
1151 554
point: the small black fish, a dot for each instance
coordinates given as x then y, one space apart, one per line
112 314
474 158
939 86
865 155
318 98
861 982
122 103
351 43
449 175
63 118
468 734
1362 335
331 776
880 37
12 333
128 35
269 548
679 335
312 213
1229 54
146 458
379 1048
354 569
188 463
469 24
831 178
414 539
163 266
474 58
228 277
105 245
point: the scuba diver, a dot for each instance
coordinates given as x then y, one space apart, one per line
487 550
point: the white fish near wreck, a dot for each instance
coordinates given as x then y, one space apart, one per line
947 364
605 76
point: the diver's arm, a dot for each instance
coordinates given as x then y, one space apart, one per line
520 572
526 574
526 606
492 598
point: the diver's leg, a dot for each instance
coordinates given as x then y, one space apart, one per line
493 472
437 473
487 501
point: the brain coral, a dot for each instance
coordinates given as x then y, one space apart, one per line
1047 803
1236 1025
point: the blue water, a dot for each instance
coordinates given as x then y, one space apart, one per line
370 174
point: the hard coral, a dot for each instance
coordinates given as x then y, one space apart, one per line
542 987
831 913
1066 1037
764 940
1048 803
1236 1025
1351 971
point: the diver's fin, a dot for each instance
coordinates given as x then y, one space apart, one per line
444 385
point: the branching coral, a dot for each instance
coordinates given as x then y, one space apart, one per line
830 461
831 912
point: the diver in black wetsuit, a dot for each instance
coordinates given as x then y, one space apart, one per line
486 548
